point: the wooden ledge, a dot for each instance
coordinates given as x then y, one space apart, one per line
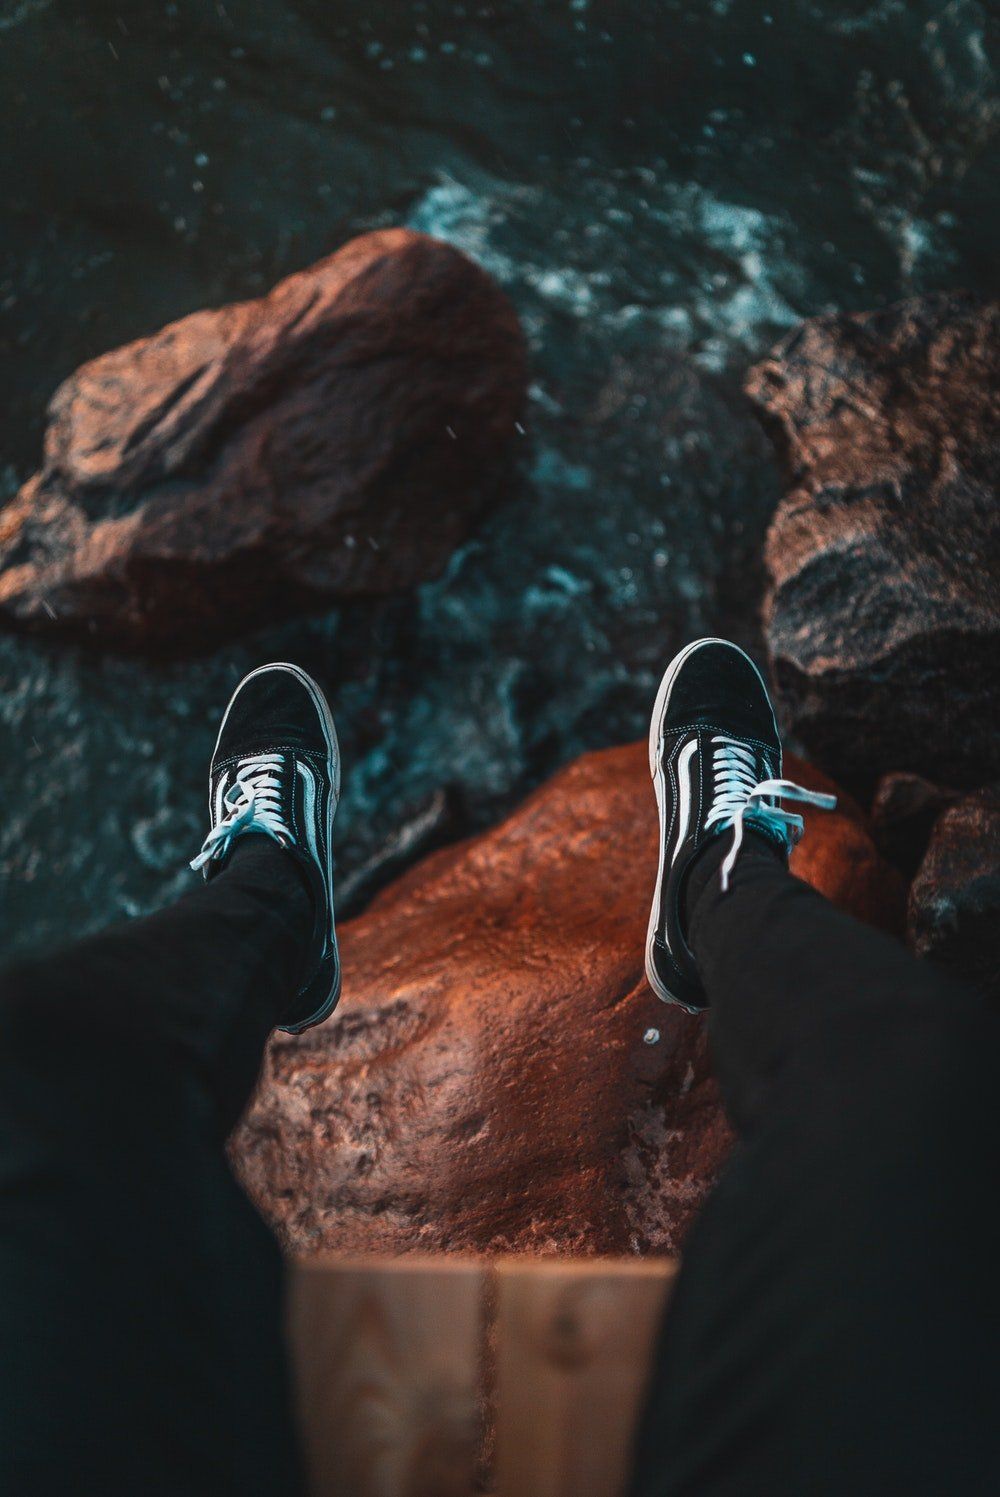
439 1376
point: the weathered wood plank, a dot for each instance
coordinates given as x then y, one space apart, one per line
387 1355
574 1341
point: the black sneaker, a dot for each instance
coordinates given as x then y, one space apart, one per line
276 771
715 758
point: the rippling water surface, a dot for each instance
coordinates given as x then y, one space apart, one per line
661 187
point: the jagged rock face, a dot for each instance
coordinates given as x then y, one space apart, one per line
336 438
485 1084
883 620
954 905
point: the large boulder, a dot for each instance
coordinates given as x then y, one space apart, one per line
337 437
954 904
498 1076
883 620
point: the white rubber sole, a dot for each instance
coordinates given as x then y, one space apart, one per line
660 706
333 748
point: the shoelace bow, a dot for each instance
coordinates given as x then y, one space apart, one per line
253 803
738 796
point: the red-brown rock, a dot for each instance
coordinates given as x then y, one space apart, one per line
954 905
883 620
484 1084
337 437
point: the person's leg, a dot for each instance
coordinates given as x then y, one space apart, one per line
140 1293
835 1323
779 964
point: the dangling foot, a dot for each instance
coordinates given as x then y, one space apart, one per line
276 771
715 758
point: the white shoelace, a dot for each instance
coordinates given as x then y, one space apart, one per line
738 797
253 804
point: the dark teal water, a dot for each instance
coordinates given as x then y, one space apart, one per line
662 188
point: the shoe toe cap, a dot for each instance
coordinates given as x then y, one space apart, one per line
718 686
274 707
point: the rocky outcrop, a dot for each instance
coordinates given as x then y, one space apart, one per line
334 439
883 620
488 1081
954 904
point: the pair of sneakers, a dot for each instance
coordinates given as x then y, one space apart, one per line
714 755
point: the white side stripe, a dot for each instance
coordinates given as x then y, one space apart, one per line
220 791
684 786
309 792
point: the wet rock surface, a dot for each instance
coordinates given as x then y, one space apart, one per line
953 914
883 620
485 1083
336 438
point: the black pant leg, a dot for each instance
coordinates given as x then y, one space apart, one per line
140 1293
837 1318
778 962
